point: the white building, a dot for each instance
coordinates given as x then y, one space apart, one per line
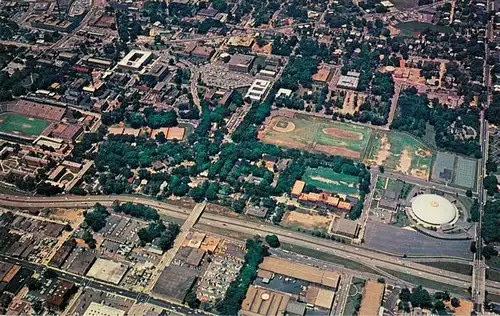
135 60
258 89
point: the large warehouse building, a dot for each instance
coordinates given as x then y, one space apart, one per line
432 210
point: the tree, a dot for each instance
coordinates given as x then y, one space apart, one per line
473 247
381 169
273 241
489 251
468 193
420 298
50 274
439 306
455 302
192 300
37 307
89 239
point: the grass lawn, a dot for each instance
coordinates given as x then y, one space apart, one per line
409 28
355 296
23 125
429 283
451 266
401 220
328 180
494 262
493 275
381 181
311 133
493 298
327 257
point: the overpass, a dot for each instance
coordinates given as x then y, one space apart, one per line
359 254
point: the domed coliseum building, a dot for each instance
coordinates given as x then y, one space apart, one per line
432 211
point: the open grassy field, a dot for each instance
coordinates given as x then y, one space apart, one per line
311 133
400 152
451 266
328 180
22 125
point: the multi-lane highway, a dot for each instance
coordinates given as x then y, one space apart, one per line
362 255
479 272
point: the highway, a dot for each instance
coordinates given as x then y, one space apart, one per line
359 254
479 283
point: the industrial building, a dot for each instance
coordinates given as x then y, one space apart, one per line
328 279
373 293
97 309
108 271
175 282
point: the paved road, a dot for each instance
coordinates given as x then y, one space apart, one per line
479 272
362 255
104 287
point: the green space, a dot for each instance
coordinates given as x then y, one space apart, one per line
401 220
330 181
318 134
409 28
428 283
401 152
355 295
451 266
19 124
381 181
188 129
494 262
493 298
327 257
493 275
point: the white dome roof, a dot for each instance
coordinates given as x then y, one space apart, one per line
433 209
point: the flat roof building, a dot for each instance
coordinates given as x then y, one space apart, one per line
297 188
203 52
261 301
241 63
107 270
258 89
344 227
175 282
97 309
373 292
135 60
348 82
301 271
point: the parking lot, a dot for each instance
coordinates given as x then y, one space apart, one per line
218 75
402 241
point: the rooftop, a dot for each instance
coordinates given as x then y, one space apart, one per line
300 271
373 293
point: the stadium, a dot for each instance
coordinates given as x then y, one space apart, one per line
433 211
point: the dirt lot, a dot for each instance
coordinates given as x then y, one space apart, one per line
73 217
307 221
